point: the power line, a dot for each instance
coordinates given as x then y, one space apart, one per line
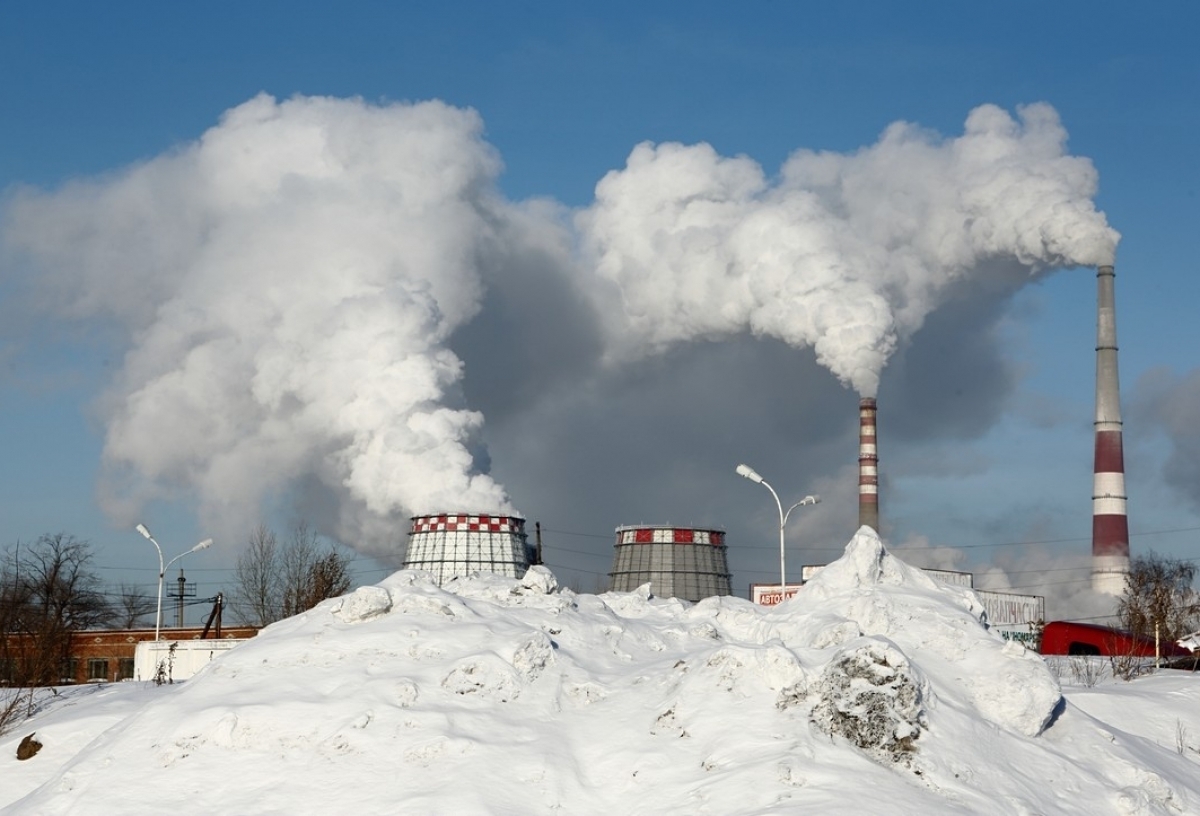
572 569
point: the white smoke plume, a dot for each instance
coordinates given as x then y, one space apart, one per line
288 284
844 253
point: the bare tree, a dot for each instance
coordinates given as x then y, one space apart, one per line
14 602
132 605
277 581
49 591
311 573
16 698
1159 598
256 595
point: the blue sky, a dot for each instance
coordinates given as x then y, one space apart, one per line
564 94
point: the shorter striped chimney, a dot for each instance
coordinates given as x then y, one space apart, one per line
1110 524
868 465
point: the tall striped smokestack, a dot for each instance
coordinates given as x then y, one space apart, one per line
1110 525
868 465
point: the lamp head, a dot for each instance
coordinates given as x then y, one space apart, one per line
811 500
141 528
747 472
203 545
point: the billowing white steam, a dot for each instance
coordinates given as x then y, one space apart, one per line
844 253
289 283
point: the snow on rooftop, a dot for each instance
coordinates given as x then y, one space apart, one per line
874 690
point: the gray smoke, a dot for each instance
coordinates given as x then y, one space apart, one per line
1165 402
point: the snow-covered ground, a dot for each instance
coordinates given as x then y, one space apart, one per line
875 690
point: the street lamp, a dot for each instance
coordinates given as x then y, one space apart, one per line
750 473
162 570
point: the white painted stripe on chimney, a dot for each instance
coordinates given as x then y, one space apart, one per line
1108 484
1108 506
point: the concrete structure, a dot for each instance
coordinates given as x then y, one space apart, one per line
1110 524
678 562
868 465
459 544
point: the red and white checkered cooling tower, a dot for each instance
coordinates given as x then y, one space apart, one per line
1110 524
453 544
678 562
868 465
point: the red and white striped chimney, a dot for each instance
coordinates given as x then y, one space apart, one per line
1110 524
868 465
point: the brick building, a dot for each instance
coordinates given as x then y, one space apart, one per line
106 655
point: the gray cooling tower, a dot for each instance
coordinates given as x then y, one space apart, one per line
678 562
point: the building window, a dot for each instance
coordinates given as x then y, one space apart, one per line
125 668
97 669
70 670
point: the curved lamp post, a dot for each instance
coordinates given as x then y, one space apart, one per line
162 570
748 472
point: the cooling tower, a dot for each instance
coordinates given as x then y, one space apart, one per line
677 562
1110 525
452 544
868 465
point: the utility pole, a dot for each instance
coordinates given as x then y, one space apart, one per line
185 590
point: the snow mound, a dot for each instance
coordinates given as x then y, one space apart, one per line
494 695
869 593
363 604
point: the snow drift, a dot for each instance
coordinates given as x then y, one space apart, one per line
874 690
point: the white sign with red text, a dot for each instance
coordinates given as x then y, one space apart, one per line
769 594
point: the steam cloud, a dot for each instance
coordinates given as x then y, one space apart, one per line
289 282
844 253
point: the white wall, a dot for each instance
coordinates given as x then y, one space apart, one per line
189 656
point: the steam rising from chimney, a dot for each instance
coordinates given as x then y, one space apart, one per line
289 283
846 254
